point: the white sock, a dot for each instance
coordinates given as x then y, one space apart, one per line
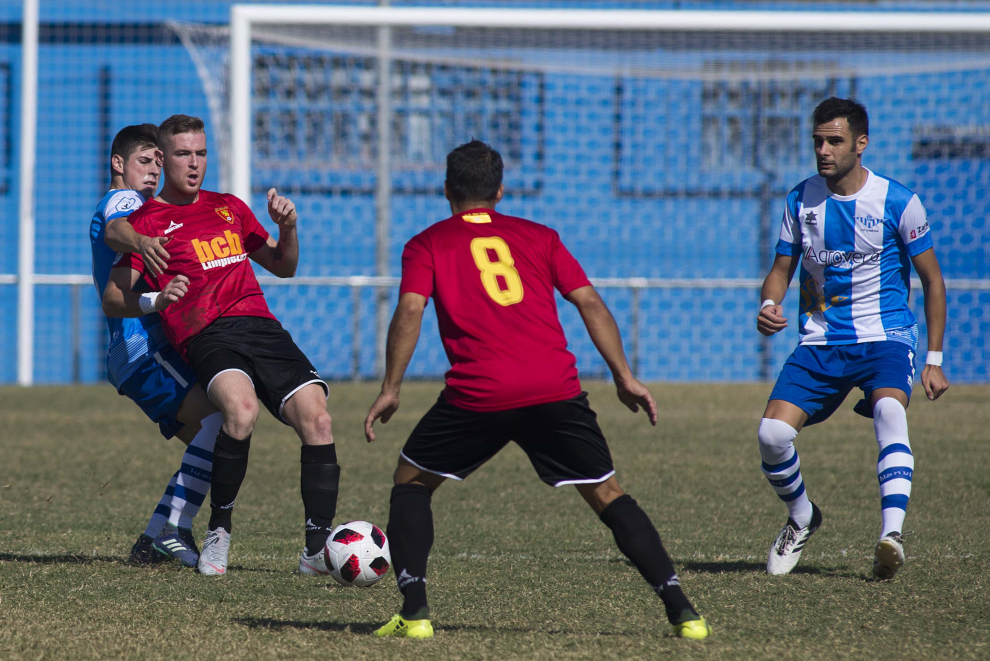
193 481
160 516
782 466
895 464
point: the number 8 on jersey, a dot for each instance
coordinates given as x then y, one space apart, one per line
512 292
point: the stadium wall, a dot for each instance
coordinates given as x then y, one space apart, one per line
623 212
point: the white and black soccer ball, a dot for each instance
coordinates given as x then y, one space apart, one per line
357 554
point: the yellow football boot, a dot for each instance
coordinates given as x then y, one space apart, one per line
693 629
400 627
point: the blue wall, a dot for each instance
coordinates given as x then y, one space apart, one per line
618 166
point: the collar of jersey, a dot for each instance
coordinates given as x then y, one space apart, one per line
870 177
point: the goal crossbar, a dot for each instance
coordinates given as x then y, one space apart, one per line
617 19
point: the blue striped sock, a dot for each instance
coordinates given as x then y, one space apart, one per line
895 464
782 468
160 516
193 481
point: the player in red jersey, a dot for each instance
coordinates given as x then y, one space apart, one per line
492 278
222 326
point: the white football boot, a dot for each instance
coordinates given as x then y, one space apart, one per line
888 556
216 548
786 549
313 565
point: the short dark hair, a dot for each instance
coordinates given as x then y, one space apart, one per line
177 124
834 108
131 138
474 172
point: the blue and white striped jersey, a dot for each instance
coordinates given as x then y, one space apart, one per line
855 259
132 341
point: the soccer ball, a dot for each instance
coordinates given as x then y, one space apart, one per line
357 554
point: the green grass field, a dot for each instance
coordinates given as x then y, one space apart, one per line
519 570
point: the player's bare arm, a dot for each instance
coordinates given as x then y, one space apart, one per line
771 318
280 257
605 334
930 274
403 334
119 299
121 236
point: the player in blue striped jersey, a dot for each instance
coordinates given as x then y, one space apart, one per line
856 235
141 363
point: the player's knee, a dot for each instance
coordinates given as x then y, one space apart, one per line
323 426
240 417
776 433
889 409
600 495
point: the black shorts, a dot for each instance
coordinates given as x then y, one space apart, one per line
262 350
562 440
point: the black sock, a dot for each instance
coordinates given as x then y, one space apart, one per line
319 477
410 536
639 540
230 461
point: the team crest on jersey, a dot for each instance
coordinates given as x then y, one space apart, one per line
224 213
477 218
869 222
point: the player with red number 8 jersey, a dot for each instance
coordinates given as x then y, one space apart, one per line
502 335
493 279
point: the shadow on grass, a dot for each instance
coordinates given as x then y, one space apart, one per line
66 559
739 566
723 566
81 559
278 625
365 628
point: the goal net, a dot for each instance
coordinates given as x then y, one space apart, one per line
660 144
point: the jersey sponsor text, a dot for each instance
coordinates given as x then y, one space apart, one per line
219 251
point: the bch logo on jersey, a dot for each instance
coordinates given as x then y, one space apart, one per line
219 251
224 213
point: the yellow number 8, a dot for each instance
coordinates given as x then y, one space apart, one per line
513 292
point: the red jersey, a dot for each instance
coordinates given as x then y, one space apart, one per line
210 243
492 279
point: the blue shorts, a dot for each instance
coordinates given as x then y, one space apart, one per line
158 386
816 379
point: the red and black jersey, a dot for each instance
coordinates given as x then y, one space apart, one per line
210 241
492 278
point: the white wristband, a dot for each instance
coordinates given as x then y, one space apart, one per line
934 358
765 303
147 302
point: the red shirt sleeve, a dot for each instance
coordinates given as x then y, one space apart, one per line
417 267
254 235
567 272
